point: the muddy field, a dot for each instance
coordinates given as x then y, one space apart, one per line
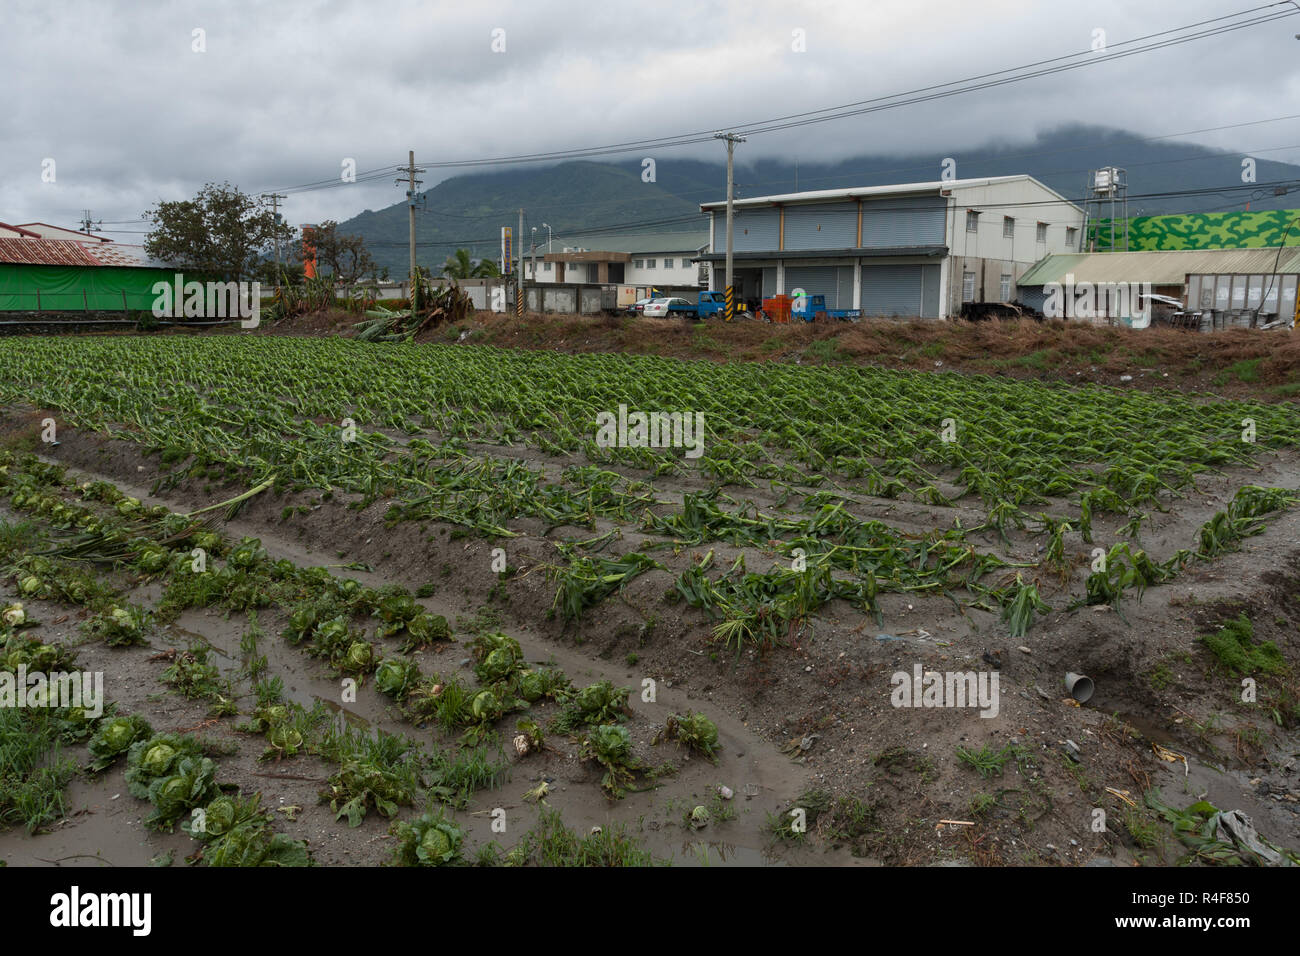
808 729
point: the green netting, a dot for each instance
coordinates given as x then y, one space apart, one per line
29 288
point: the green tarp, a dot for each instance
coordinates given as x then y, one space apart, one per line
29 288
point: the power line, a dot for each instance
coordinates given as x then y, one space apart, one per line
876 104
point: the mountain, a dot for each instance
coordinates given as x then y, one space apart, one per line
584 198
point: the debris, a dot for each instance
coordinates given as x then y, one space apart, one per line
1024 650
539 792
1170 756
725 793
1123 795
957 823
1073 752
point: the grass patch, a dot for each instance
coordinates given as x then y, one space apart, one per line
1234 647
986 761
33 769
1246 371
826 351
551 843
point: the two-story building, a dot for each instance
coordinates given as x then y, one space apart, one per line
915 249
662 259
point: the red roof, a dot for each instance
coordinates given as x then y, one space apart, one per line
45 252
74 252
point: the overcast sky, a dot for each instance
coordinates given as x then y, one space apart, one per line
118 95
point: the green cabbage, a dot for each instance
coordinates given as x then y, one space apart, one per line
113 737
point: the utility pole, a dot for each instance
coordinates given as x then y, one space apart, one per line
532 248
519 277
732 139
275 209
411 183
89 225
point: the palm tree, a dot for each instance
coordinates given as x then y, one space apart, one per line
461 266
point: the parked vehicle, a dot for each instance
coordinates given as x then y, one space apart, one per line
636 307
806 308
659 308
711 304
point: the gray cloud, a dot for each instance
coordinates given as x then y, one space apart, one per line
287 90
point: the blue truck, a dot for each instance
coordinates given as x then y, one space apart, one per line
809 307
711 304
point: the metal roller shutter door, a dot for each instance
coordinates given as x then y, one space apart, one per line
754 230
903 221
814 280
821 226
891 290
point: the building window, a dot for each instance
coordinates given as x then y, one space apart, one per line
649 263
972 220
1042 232
546 267
1070 234
668 263
1004 288
638 263
1008 227
968 287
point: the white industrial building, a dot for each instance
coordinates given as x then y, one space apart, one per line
915 249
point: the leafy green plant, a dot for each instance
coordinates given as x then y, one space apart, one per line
428 840
610 745
695 731
190 673
396 677
382 774
120 626
595 704
113 737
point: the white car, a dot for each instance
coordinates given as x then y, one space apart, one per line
658 308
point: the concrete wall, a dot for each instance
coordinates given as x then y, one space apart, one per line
1026 203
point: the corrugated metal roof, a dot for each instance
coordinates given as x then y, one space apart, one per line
1160 268
73 252
898 189
44 252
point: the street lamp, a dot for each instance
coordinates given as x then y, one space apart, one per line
548 236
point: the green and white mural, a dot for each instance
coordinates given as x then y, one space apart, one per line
1205 230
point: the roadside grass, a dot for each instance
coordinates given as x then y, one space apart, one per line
1245 371
33 768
